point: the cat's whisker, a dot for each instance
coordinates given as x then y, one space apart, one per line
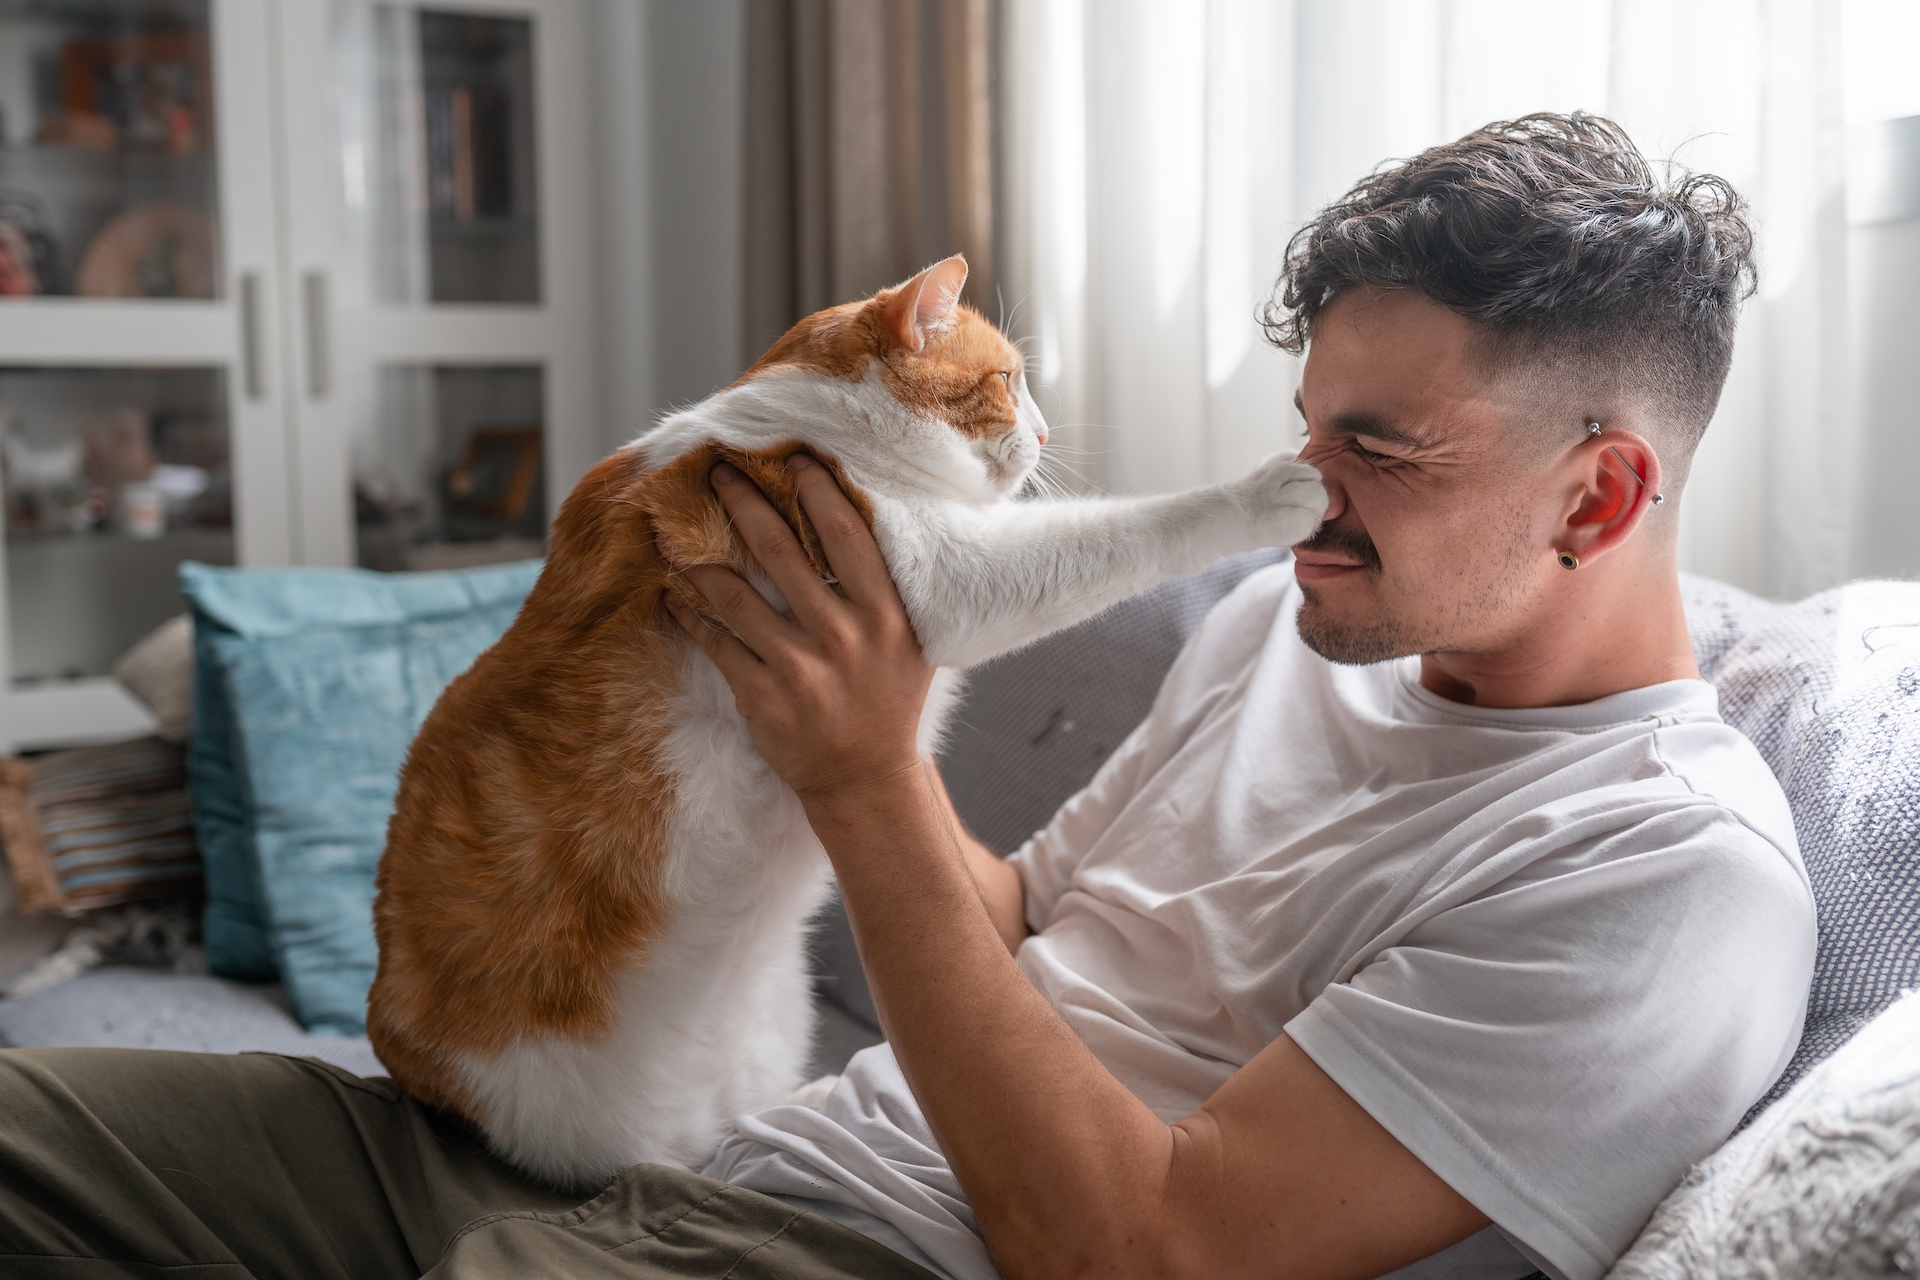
1077 481
1062 478
1009 317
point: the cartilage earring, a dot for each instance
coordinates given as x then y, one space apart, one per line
1568 560
1593 429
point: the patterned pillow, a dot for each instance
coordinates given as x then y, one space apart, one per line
1826 1184
98 826
1829 690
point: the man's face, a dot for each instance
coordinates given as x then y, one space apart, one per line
1438 525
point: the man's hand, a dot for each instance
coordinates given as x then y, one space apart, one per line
832 693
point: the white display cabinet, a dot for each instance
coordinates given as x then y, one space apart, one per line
281 282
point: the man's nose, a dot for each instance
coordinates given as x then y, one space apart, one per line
1336 496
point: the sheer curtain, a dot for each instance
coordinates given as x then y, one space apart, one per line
1155 156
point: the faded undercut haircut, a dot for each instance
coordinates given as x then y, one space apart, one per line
1555 234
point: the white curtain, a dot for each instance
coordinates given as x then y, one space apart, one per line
1156 155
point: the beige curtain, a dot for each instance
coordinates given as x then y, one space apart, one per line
870 152
1157 156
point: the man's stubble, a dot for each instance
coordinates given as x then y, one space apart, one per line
1391 634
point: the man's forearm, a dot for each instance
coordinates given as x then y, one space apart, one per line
1001 890
1060 1162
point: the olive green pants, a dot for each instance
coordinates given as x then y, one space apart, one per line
127 1162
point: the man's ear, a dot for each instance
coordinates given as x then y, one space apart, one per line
1620 474
925 303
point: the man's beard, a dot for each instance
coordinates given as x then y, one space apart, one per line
1353 644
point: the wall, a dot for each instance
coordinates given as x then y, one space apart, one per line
1883 267
670 98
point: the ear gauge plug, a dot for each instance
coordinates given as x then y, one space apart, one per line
1593 429
1568 560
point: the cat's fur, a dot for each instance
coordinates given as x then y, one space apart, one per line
594 897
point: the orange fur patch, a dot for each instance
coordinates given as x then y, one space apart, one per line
522 873
955 377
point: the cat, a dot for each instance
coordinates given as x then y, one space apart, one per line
594 897
162 934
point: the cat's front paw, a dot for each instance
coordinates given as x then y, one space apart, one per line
1286 501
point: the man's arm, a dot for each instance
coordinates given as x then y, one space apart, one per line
1001 890
1067 1172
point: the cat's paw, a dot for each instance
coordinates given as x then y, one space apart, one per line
1285 499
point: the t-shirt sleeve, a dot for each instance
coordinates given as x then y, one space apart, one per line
1562 1047
1208 663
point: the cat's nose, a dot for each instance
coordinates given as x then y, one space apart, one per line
1040 433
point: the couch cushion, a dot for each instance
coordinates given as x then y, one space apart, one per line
1036 724
1828 689
311 684
127 1008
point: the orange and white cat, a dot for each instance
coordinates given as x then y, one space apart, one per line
594 898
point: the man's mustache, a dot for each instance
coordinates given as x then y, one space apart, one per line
1347 544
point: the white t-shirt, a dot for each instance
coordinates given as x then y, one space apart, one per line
1556 952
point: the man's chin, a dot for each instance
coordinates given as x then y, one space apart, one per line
1351 642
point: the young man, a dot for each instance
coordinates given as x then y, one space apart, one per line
1431 920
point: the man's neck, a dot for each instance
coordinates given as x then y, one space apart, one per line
1620 627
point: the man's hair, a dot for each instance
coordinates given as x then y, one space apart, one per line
1555 234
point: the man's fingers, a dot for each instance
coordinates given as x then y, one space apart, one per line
851 551
737 663
774 545
741 607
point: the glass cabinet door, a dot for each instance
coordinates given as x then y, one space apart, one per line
140 414
445 396
107 182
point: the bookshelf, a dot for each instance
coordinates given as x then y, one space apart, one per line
281 282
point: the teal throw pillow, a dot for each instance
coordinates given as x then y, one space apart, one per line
311 684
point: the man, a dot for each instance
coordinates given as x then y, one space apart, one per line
1431 920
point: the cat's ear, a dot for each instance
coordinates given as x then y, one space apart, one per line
925 303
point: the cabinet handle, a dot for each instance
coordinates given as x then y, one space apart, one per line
253 377
313 296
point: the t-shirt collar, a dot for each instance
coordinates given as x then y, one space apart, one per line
1669 700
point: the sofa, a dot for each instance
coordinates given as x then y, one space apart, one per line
1828 689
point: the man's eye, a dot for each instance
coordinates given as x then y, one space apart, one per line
1370 455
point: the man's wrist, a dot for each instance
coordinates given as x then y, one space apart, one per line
884 806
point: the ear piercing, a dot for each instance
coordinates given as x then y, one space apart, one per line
1567 559
1593 429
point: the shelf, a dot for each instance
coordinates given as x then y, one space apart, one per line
98 331
67 713
27 166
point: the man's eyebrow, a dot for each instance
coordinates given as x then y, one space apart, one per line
1365 424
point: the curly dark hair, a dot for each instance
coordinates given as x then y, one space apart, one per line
1555 233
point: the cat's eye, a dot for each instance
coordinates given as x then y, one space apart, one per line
1006 376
